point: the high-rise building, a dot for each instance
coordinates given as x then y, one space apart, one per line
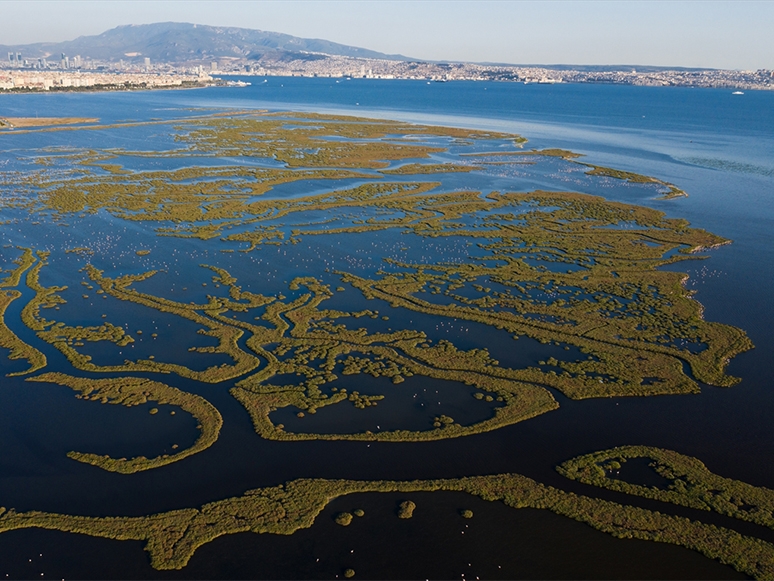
147 62
65 61
10 57
18 59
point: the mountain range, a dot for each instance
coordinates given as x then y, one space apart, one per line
184 43
175 42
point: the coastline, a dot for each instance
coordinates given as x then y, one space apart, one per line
104 89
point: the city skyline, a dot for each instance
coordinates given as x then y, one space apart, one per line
679 34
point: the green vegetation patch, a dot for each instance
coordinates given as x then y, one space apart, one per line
171 538
132 391
429 168
672 191
406 509
8 339
689 482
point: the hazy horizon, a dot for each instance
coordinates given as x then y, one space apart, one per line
727 35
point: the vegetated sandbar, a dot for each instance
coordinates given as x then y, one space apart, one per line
132 391
687 482
12 122
672 191
172 538
8 339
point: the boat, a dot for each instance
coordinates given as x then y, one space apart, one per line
737 93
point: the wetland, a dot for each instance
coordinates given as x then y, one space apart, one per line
289 308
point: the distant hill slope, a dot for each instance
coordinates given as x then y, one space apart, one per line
175 42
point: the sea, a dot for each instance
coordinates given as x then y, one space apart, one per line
715 145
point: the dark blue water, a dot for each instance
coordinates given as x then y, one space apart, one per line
716 146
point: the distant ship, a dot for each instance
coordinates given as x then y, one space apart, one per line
737 93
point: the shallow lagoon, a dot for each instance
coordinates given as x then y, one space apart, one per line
726 428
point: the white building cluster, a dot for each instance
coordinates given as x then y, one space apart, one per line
338 66
72 74
53 80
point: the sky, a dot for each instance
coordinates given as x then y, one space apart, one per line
689 33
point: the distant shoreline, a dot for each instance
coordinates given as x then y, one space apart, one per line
223 82
104 88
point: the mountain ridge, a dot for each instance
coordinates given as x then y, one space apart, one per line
178 42
189 43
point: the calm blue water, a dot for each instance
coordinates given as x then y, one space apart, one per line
716 146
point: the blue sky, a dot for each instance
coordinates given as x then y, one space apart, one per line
699 33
